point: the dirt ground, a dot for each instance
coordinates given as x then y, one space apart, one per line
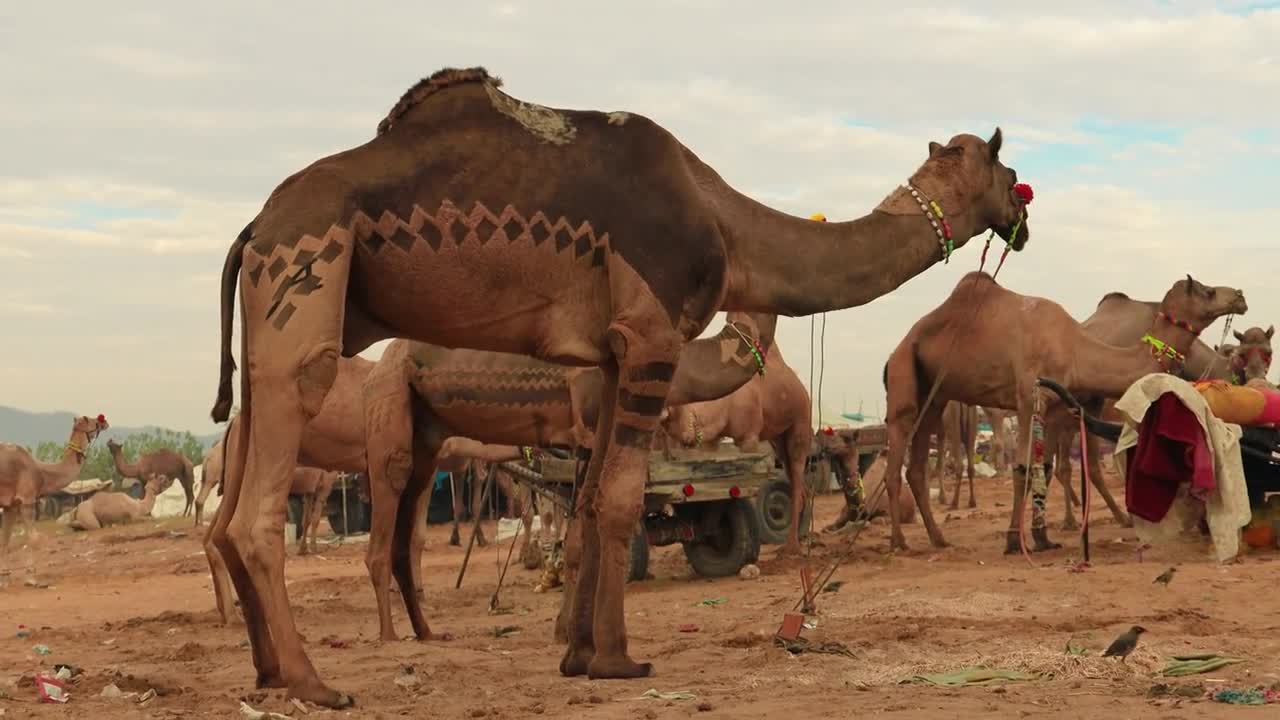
133 607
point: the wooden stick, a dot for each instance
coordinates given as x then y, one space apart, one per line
475 528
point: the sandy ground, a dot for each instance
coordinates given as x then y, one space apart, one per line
133 607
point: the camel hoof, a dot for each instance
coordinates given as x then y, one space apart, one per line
576 662
1011 544
622 668
436 637
1070 525
1125 521
954 506
973 504
1042 541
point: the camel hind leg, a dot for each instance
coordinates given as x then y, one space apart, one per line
410 540
1100 484
916 475
292 325
793 449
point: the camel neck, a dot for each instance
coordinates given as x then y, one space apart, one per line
794 266
56 476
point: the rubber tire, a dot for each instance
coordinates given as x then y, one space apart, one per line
734 543
357 513
773 511
638 560
294 513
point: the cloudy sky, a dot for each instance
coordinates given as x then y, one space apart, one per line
139 138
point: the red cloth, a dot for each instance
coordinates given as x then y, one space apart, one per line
1172 449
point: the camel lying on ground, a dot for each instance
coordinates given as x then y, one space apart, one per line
105 509
1010 340
773 408
164 461
23 479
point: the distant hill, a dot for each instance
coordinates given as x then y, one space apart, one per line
31 428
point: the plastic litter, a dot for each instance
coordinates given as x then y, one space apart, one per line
249 713
653 694
711 602
51 690
41 649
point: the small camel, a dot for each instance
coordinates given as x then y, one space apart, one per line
105 509
853 470
552 252
164 461
773 408
23 479
957 434
1013 340
1001 441
314 486
1121 321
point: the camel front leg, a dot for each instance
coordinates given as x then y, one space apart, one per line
389 430
1100 483
304 522
571 550
899 427
201 498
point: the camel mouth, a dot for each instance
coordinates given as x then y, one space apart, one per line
1023 230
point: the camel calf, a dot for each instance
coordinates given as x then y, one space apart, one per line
105 509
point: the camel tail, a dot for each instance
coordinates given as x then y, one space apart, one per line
230 274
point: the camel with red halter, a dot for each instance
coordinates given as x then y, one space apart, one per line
773 408
23 479
1121 321
1008 343
549 252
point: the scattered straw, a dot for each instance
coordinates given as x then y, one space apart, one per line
1049 664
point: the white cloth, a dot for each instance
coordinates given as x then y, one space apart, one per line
1227 507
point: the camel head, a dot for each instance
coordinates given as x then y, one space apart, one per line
1192 304
980 185
832 441
1251 359
681 423
114 447
157 484
90 426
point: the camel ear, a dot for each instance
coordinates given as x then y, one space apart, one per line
934 148
1238 335
1191 283
1217 348
994 144
1270 330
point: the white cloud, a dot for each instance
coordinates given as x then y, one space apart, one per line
122 190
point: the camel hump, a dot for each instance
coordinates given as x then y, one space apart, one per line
428 86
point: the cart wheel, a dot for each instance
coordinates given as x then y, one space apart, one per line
729 540
638 560
294 513
773 507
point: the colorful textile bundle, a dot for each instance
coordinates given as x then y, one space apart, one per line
1240 404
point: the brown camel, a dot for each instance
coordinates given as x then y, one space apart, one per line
858 479
1013 341
1251 359
957 434
550 252
1001 440
1121 321
169 463
105 509
314 485
421 395
772 408
23 479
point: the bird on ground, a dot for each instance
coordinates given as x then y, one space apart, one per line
1123 645
1164 577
